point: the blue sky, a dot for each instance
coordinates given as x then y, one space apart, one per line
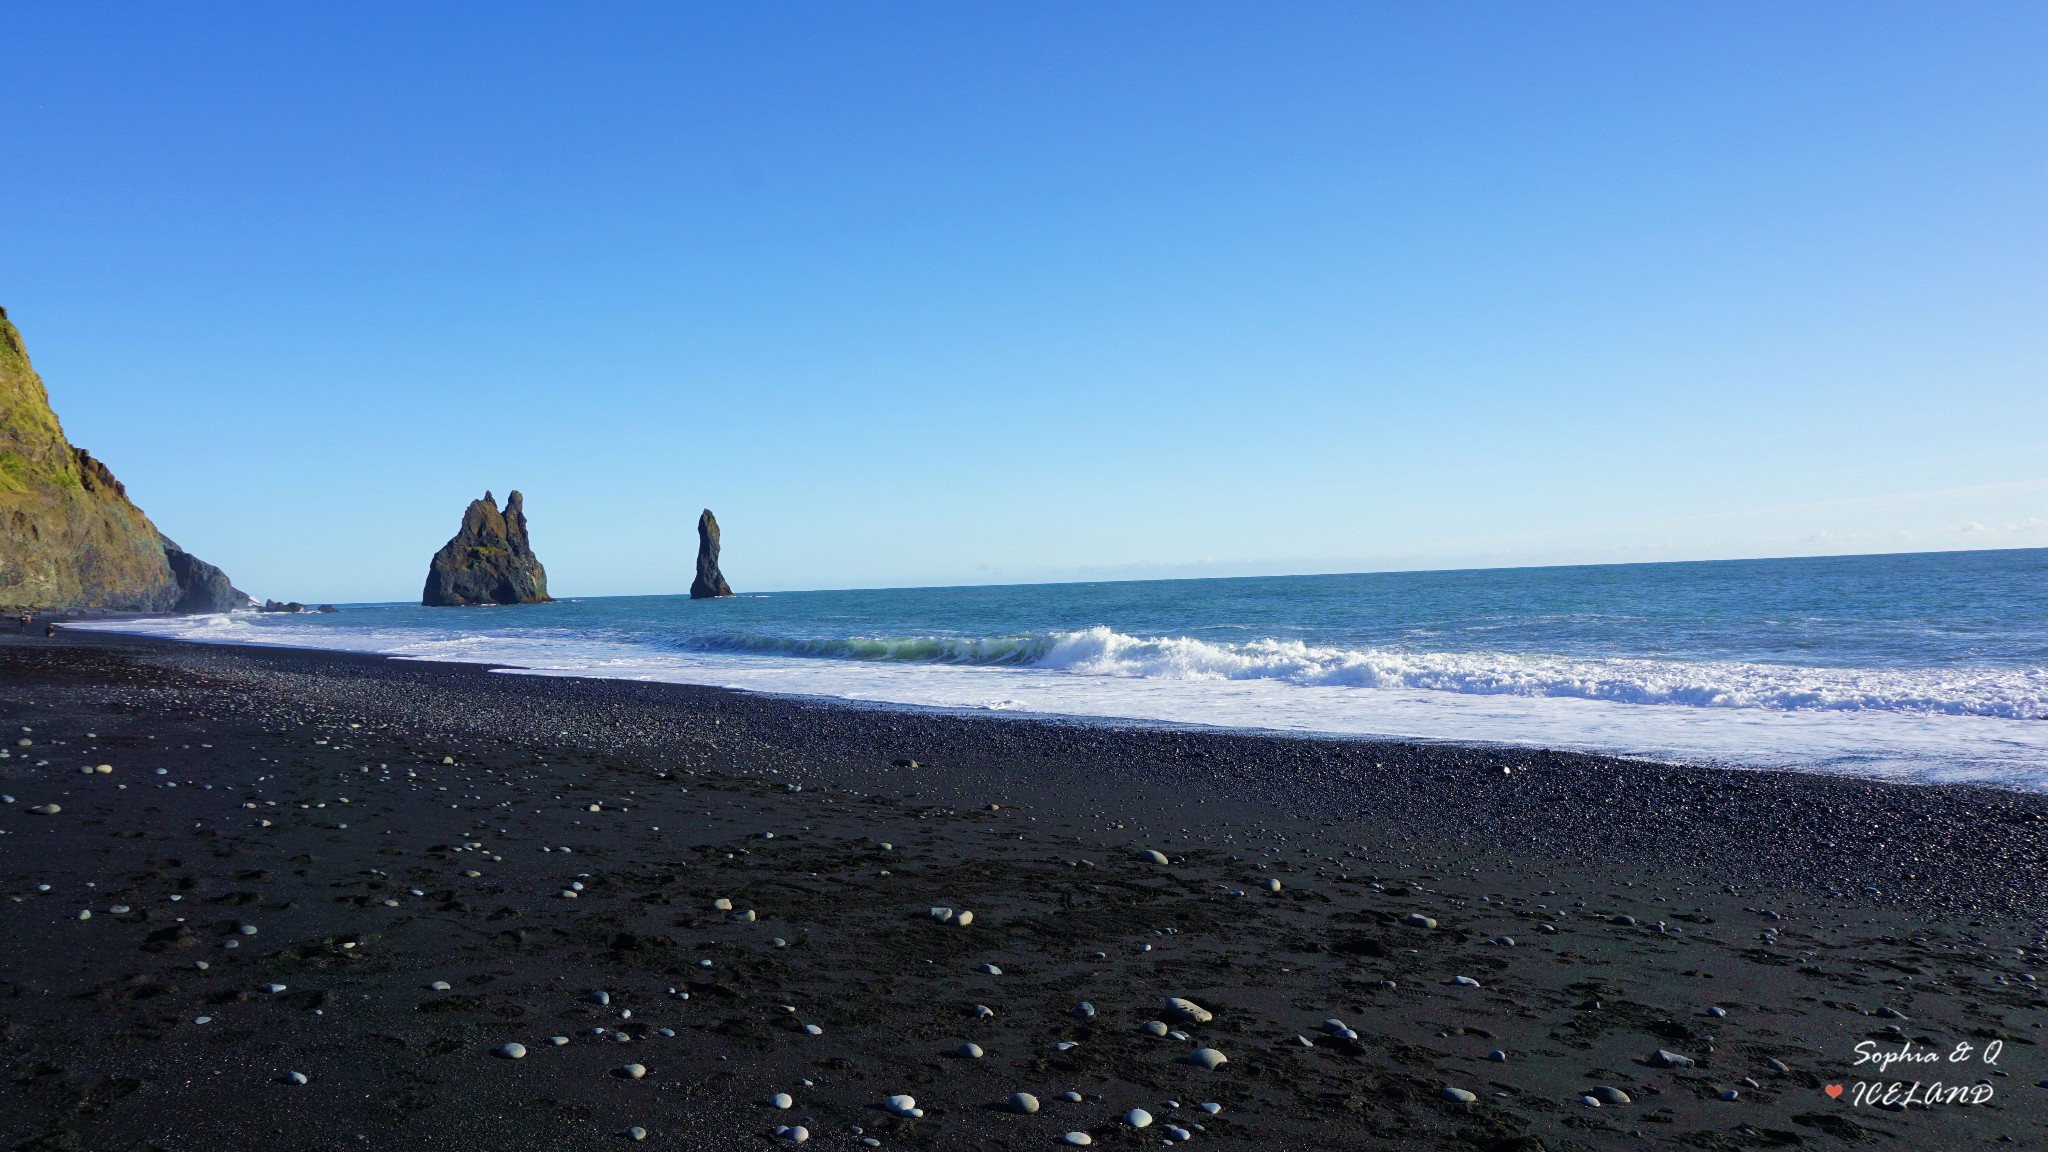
961 293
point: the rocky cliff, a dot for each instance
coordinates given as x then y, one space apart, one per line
490 561
710 581
70 539
201 586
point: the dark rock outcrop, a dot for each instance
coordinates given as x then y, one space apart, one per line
710 581
489 561
282 606
70 539
201 586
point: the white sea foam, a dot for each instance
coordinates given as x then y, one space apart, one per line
1956 724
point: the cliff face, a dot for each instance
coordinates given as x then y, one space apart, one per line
710 581
201 586
490 561
69 537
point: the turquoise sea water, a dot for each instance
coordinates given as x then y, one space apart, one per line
1930 666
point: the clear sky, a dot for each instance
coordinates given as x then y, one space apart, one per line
954 293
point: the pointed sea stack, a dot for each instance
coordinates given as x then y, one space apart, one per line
488 562
70 539
710 581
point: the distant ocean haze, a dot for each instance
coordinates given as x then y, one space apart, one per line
1925 667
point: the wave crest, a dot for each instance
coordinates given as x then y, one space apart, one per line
2020 694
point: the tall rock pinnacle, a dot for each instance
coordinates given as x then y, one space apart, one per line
489 561
710 581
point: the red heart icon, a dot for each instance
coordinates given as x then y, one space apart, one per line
1834 1091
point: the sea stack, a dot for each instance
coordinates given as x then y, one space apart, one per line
710 581
70 539
489 561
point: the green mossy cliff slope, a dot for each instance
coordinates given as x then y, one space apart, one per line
69 538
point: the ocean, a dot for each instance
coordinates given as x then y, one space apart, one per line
1929 667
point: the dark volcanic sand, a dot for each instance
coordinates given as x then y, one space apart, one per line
1803 906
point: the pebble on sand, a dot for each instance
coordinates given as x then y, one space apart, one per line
1138 1118
1078 1139
1182 1008
1273 884
1153 1027
558 1041
1154 856
1023 1102
1664 1059
1608 1094
1084 1010
293 1077
513 1051
989 970
903 1105
782 1100
630 1071
273 989
440 986
46 810
636 1133
969 1051
1418 920
1460 1095
1207 1058
792 1133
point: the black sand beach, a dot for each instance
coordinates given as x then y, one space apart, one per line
1525 928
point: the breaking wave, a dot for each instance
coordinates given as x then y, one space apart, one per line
2014 694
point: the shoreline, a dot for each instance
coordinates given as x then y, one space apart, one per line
1612 877
1880 744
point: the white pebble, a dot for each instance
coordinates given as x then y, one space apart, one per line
632 1071
1208 1058
1138 1118
1023 1102
782 1100
1078 1138
295 1077
901 1105
512 1051
970 1051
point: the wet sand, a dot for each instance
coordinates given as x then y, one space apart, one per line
384 826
